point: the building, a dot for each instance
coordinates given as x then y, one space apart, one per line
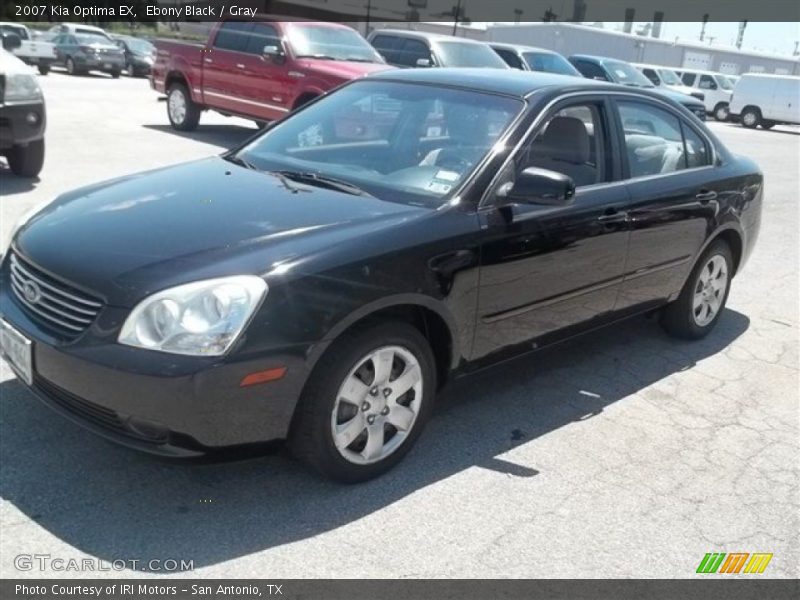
569 38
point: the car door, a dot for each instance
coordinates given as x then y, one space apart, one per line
546 270
223 86
673 198
268 84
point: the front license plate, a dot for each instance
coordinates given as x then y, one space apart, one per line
18 351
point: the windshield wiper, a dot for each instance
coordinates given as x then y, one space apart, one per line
238 160
332 183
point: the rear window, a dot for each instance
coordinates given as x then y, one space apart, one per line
550 63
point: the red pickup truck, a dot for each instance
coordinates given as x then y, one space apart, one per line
260 70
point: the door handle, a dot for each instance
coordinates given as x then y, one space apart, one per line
612 215
239 66
208 60
706 196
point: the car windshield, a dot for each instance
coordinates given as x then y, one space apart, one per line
622 72
139 46
87 39
724 82
332 43
669 77
463 54
400 142
550 63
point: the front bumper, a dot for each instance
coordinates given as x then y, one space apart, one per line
100 63
16 126
161 403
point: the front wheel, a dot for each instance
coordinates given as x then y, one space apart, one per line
183 113
72 69
701 302
43 69
721 112
26 161
751 117
366 402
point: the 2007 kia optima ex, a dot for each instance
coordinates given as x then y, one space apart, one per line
322 281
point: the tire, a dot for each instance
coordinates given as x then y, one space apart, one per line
371 412
750 117
43 69
72 68
721 112
767 124
183 113
26 161
698 307
115 74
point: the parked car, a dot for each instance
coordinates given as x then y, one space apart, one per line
38 53
406 48
22 113
139 54
528 58
307 286
715 87
667 78
766 100
617 71
259 70
76 28
84 52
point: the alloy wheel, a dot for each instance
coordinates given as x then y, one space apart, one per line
177 106
377 405
709 290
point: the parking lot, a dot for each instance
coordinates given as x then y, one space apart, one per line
622 454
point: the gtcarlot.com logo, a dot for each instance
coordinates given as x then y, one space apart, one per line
47 562
735 562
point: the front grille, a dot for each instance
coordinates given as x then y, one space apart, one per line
53 302
90 412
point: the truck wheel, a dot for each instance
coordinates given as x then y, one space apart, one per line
44 69
721 112
702 300
26 161
751 117
183 113
386 381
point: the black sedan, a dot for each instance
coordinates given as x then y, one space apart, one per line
139 54
323 281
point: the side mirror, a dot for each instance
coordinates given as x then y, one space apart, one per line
423 62
11 41
274 53
539 186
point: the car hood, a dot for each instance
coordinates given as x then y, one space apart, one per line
684 99
125 238
342 69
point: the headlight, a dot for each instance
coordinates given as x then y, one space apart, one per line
22 87
203 318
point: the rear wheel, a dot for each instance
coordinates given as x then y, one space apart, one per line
183 113
721 112
701 302
115 74
366 403
26 161
751 117
43 69
72 68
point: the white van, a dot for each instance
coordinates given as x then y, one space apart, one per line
766 100
666 77
715 87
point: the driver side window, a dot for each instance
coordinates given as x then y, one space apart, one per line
573 141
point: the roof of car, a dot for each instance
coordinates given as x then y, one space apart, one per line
520 48
501 81
433 37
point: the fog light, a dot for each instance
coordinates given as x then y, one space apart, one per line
32 118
